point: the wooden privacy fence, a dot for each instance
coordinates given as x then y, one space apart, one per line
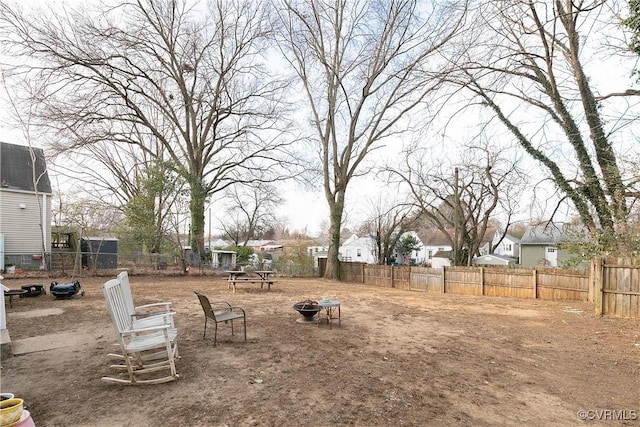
613 287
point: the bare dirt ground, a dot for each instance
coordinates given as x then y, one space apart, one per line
400 358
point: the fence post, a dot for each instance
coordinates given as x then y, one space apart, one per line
482 281
535 283
362 272
392 270
597 272
442 278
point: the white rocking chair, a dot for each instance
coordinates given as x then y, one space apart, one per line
140 314
140 344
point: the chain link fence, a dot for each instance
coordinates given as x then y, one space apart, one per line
81 263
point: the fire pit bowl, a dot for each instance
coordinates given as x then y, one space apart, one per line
308 309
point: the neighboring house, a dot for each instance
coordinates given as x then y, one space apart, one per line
433 241
509 246
540 244
494 259
437 241
316 252
217 244
262 245
311 250
357 249
25 207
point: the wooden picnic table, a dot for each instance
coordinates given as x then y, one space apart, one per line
258 276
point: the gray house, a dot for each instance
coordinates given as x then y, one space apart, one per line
25 207
542 244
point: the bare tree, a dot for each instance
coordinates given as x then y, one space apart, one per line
188 77
527 64
250 212
363 66
463 200
388 220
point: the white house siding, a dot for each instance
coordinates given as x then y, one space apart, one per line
508 247
22 226
357 249
430 251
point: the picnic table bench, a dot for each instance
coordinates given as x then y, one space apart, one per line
259 276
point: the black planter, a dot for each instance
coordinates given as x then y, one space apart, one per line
308 309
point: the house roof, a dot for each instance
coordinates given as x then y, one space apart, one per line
437 237
17 168
494 257
553 233
443 254
510 237
434 237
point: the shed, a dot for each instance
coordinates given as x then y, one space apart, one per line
99 252
494 259
441 259
223 259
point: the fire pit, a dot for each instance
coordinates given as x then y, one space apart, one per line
308 309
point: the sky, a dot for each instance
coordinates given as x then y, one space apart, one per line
306 209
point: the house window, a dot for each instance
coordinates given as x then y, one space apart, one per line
61 240
507 247
358 252
430 254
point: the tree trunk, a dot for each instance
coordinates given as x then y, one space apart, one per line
336 208
196 208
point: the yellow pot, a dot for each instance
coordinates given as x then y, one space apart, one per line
10 411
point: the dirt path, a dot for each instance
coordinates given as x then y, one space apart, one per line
399 358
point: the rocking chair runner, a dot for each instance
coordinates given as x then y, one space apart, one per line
220 311
136 343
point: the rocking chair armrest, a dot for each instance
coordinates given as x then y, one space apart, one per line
155 304
152 316
148 329
160 308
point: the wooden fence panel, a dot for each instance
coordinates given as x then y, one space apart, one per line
378 275
425 279
621 287
463 280
401 275
509 282
560 284
352 272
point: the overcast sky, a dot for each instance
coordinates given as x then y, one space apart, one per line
306 209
